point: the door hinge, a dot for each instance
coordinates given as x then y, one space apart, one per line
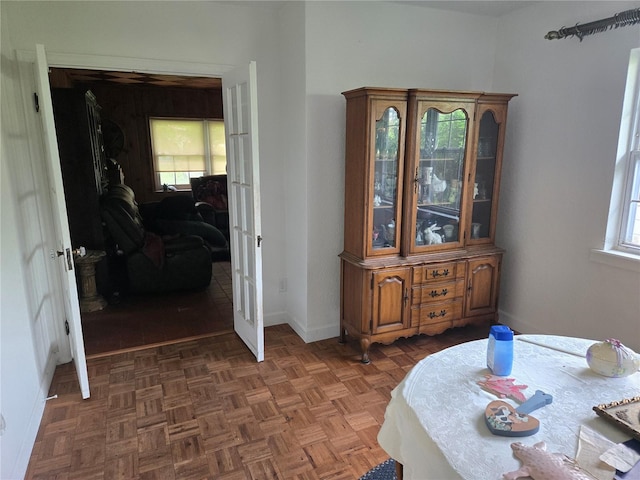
66 327
36 102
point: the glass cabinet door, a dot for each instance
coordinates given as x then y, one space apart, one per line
438 175
387 186
484 184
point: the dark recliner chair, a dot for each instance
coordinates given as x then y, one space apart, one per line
179 215
211 200
154 263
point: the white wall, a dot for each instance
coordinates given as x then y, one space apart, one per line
204 33
27 336
560 152
197 32
561 136
293 140
355 44
21 403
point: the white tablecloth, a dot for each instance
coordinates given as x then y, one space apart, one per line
434 424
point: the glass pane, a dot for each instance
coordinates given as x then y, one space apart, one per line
439 176
182 178
177 137
164 163
632 227
386 180
167 178
182 162
485 174
217 147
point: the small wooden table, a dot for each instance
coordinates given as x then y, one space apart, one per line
90 299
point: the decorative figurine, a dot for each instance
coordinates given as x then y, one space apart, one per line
612 359
539 464
503 387
430 237
505 420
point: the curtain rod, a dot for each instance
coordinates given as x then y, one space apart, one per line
622 19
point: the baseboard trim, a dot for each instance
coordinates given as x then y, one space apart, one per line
322 333
518 324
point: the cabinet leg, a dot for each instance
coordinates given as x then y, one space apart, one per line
399 470
364 346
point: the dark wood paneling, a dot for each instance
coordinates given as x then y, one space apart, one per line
131 107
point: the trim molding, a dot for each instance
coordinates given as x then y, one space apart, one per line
128 64
517 325
617 259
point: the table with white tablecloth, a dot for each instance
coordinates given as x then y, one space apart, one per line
434 424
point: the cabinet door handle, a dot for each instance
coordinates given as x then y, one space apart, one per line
436 315
436 273
435 293
406 296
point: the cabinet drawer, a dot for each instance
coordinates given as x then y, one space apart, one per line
438 272
436 293
440 312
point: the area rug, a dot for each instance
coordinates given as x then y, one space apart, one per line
385 471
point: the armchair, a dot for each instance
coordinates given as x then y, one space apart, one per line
180 215
210 195
153 263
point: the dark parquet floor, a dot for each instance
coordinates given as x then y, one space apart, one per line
144 320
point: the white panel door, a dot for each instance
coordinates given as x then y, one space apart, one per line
240 101
60 221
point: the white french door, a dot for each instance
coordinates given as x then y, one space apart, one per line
240 101
240 106
60 221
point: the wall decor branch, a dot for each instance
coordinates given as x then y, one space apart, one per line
622 19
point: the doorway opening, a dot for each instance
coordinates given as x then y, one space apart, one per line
126 100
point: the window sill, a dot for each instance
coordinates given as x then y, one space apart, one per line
615 258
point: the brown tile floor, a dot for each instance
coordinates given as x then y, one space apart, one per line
205 409
145 320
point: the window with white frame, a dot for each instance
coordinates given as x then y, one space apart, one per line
186 148
623 227
630 224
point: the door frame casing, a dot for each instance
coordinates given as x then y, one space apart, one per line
116 64
127 64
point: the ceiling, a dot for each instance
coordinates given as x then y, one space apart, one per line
494 8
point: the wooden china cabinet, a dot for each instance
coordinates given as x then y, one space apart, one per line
422 178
